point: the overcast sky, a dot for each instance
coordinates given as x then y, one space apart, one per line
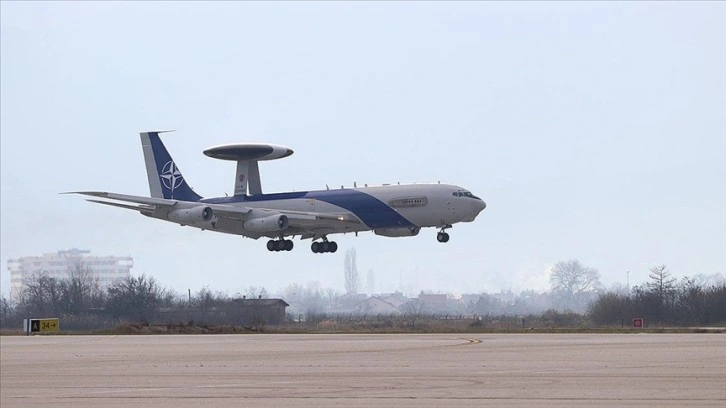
593 130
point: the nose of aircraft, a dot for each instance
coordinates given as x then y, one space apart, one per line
477 206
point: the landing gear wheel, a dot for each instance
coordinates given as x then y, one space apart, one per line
270 245
324 247
442 237
288 245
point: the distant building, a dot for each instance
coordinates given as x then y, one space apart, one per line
251 313
107 269
261 311
435 303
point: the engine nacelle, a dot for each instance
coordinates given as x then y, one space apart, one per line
270 223
191 216
398 232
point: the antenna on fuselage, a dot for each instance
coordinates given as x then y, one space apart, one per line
326 187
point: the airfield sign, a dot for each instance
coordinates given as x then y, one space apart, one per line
41 326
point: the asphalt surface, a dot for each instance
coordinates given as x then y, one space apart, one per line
442 370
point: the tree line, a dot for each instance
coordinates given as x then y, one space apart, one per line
664 300
574 288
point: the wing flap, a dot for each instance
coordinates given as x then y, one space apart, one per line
144 209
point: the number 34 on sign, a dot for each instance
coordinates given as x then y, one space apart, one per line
41 325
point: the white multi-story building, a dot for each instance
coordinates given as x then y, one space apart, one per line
107 269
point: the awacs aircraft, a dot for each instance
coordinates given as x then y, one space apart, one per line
388 210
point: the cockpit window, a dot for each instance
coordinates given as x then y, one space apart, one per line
465 194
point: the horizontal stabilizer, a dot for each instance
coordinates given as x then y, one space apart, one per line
126 197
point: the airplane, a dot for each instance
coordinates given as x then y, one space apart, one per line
388 210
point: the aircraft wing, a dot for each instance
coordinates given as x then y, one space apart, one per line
302 221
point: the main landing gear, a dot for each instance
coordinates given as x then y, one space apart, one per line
325 246
279 245
443 236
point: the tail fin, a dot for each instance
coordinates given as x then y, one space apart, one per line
165 178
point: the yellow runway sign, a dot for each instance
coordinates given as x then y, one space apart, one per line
41 325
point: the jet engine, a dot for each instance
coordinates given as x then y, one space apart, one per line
270 223
398 232
192 215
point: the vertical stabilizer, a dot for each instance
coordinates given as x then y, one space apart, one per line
165 178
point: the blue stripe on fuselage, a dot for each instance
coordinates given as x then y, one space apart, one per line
372 211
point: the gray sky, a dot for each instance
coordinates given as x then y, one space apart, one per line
594 131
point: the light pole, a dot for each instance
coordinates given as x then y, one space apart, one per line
627 281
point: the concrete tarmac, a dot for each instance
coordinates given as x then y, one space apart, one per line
406 370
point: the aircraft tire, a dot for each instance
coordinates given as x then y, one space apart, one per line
446 237
333 246
270 245
288 245
315 247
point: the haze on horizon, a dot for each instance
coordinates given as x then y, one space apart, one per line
594 131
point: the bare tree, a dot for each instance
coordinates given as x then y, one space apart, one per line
6 311
80 290
661 282
330 295
253 292
415 307
40 294
352 280
137 299
314 298
574 282
293 293
204 300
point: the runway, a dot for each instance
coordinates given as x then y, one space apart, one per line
442 370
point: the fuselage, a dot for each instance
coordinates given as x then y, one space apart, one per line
386 209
